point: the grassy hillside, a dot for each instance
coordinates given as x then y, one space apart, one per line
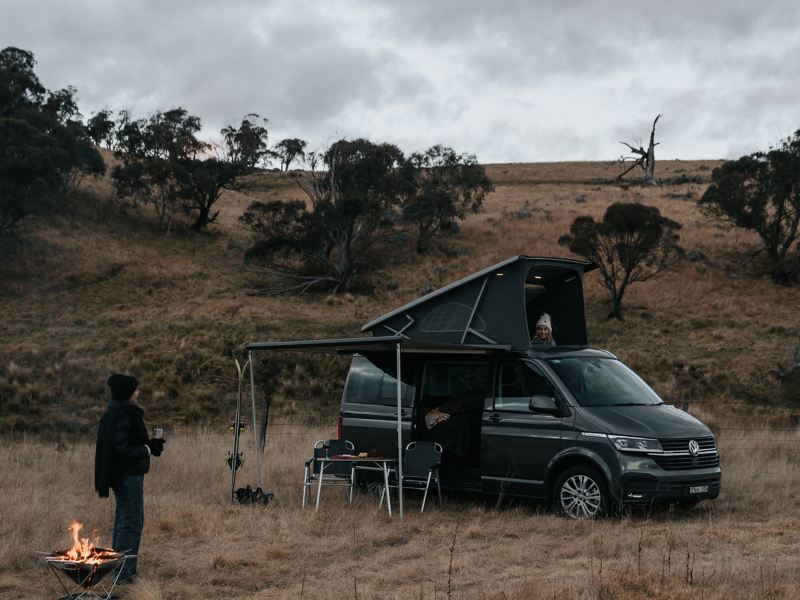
98 289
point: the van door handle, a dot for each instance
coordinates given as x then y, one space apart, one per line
495 418
402 414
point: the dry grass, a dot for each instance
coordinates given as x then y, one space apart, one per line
196 545
98 289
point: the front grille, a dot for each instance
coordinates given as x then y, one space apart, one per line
682 444
671 463
677 456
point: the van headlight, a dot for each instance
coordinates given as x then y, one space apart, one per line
626 443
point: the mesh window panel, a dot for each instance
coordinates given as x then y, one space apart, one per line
449 318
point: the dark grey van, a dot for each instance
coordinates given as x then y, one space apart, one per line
566 422
573 426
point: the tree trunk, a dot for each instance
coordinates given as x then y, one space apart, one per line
422 238
202 218
649 174
616 298
616 309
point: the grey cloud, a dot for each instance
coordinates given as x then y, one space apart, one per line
511 80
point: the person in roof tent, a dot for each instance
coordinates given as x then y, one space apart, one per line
122 458
544 332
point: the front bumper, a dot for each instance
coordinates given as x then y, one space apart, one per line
644 480
648 488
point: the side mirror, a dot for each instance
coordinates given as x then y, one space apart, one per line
543 403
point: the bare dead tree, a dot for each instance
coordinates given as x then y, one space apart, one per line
646 159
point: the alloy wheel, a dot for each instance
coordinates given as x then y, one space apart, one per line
581 497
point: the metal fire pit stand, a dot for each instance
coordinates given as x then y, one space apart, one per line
86 584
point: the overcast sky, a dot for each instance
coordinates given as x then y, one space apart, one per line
509 81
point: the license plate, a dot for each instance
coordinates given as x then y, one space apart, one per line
698 489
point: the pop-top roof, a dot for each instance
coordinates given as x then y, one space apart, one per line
497 306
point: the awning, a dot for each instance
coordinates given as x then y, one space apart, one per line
395 343
377 344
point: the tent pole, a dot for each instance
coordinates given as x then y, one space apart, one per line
399 433
255 428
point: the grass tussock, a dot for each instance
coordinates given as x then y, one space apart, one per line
197 545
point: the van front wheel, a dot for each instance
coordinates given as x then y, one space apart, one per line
581 493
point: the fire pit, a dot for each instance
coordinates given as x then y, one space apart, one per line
86 564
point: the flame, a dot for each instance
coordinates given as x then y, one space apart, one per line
83 550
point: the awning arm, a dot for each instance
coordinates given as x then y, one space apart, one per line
256 448
399 434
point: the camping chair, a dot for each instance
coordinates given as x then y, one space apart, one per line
339 473
421 464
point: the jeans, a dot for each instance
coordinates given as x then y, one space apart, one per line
128 520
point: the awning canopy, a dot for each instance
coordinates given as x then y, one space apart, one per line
394 343
376 344
498 305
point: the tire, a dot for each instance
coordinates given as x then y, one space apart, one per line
581 492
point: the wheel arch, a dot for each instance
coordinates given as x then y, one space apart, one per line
572 458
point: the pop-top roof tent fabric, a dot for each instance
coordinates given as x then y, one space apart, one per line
498 305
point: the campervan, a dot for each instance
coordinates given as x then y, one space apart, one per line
565 423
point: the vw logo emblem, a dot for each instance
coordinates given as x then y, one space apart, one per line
694 448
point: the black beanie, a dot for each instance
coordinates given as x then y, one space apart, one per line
122 386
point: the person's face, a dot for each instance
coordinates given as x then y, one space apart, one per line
542 332
135 396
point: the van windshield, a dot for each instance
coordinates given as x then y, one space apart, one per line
603 382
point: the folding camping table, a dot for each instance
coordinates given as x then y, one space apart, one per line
366 463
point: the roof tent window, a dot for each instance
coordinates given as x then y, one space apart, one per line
452 317
557 291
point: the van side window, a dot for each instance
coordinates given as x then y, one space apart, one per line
389 385
466 383
369 383
518 383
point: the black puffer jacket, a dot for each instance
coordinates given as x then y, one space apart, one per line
121 450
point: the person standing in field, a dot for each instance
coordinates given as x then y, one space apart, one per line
122 458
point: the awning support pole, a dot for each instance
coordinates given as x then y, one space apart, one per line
399 433
256 447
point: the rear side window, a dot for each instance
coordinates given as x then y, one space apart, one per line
371 382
